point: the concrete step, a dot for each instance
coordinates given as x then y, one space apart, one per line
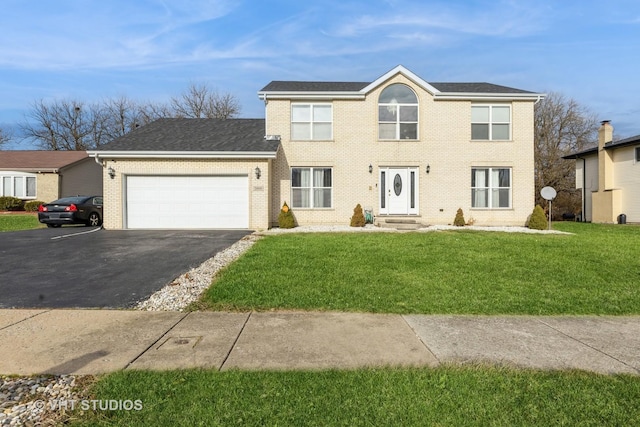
400 223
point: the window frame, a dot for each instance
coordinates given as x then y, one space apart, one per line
398 122
312 187
491 122
23 179
490 188
637 154
311 122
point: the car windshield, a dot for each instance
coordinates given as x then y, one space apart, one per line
68 201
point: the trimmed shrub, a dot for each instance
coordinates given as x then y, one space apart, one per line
459 220
32 205
8 203
286 219
357 220
538 220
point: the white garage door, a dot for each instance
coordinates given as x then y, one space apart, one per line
175 202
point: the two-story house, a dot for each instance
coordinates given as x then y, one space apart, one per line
400 146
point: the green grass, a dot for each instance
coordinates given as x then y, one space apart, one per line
15 222
446 396
594 271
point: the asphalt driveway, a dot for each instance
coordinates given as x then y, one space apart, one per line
85 267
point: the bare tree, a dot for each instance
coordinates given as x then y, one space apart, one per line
5 136
200 101
562 126
60 125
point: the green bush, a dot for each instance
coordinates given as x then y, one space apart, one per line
459 220
32 205
538 220
8 203
357 220
286 219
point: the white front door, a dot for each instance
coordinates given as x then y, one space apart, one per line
398 191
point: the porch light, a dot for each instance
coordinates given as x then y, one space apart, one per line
370 168
428 168
111 172
258 172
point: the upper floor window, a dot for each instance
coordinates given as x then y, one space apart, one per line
311 121
22 186
398 113
637 154
491 122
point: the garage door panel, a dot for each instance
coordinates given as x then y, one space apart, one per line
179 202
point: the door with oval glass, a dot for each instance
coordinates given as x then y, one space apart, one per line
398 191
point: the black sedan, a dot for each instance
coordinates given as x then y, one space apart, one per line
72 210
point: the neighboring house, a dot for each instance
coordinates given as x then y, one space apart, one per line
399 146
609 177
48 175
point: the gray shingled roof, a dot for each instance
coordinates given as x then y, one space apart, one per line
298 86
634 140
476 88
196 135
294 86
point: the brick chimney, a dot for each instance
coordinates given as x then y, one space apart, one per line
605 161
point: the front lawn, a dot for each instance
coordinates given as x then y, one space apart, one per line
15 222
446 396
594 271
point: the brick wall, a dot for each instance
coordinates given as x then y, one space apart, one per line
114 189
444 144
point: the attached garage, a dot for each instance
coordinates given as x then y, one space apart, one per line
189 174
192 202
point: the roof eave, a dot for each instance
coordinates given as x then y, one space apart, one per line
182 154
265 95
470 96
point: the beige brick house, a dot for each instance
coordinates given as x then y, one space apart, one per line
399 146
609 177
48 175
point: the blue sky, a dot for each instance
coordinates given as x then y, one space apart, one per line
150 50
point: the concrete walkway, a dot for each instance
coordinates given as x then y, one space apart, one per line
101 341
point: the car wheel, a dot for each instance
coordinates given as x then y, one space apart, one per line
94 219
53 225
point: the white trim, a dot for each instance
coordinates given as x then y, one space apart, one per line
183 154
488 97
406 73
310 95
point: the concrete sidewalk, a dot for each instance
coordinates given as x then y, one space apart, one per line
101 341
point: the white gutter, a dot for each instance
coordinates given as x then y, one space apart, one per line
311 95
488 96
182 154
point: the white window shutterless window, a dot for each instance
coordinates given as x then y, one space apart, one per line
397 113
491 188
21 185
311 188
491 122
311 122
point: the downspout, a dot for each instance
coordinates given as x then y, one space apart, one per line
584 189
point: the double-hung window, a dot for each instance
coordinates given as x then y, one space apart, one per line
311 122
21 186
491 122
398 113
491 188
311 188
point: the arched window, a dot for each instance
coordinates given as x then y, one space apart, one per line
398 113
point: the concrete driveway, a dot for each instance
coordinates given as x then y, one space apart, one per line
85 267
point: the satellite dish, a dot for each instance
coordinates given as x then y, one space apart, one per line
548 193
